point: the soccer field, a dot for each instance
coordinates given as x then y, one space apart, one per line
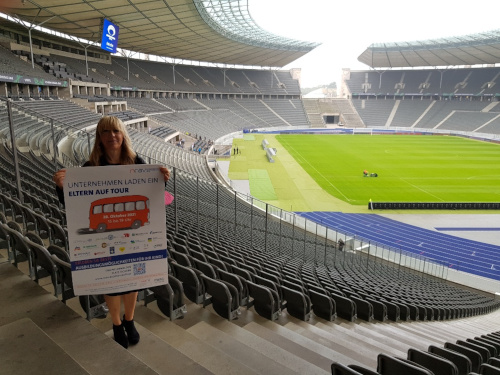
409 168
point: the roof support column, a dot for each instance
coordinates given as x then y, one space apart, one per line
31 27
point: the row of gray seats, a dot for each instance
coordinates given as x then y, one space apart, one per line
478 355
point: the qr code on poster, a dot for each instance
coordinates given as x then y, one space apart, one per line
139 268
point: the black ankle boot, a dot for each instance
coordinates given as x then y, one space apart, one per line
133 335
120 335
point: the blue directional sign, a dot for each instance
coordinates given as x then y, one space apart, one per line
109 40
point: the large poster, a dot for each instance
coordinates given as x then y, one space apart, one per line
116 228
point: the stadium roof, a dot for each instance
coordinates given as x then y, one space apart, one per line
474 49
218 31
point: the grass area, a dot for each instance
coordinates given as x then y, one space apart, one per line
261 185
409 168
294 189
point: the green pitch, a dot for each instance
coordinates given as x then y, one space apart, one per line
325 172
409 168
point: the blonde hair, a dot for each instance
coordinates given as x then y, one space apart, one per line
127 155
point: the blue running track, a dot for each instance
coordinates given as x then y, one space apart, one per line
464 255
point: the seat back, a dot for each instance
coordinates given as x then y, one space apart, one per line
57 234
481 349
193 289
170 298
491 346
265 300
34 237
239 283
298 304
362 370
20 250
243 273
42 227
473 355
42 260
59 251
387 365
364 308
379 309
180 258
346 309
224 297
462 362
438 365
323 305
340 369
486 369
494 362
206 268
219 264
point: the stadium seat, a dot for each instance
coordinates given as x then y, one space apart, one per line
438 365
387 365
239 283
340 369
364 309
265 301
461 361
486 369
346 309
169 298
193 288
298 303
379 309
224 297
323 305
93 306
480 348
473 355
362 370
494 362
20 250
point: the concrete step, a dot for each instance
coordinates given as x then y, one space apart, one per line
160 356
339 343
370 334
473 325
189 344
393 332
20 298
442 331
310 351
359 338
233 346
359 345
293 363
22 338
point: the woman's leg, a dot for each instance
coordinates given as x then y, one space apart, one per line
129 301
114 306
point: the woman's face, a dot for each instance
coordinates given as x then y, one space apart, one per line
111 140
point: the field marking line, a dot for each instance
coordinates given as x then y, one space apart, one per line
486 176
426 192
306 161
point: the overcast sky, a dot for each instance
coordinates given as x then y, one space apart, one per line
347 28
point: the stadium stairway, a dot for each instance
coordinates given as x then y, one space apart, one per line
41 335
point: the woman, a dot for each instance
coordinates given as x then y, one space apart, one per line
113 147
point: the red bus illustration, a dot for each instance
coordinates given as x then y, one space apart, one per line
131 211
